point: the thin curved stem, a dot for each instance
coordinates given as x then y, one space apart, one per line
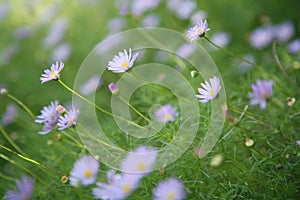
21 104
97 107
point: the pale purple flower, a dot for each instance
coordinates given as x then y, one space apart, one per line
222 39
122 62
113 88
69 119
24 192
116 25
119 186
52 73
182 8
186 50
210 90
262 37
198 16
151 21
84 171
171 189
49 117
56 33
284 31
140 160
7 53
294 46
261 91
166 114
4 9
9 115
23 32
91 85
62 52
298 142
198 30
140 6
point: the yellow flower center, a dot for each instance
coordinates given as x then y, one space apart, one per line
171 196
141 166
70 121
199 31
124 64
126 188
167 117
54 74
211 93
87 173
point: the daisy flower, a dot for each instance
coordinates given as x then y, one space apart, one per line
166 114
171 189
210 90
261 91
9 115
68 119
25 189
52 73
122 62
140 160
298 142
91 85
198 30
49 117
84 171
119 186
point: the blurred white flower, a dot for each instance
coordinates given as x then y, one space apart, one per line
186 50
182 8
23 32
116 25
222 39
151 21
262 37
294 46
91 85
48 13
9 115
198 16
4 9
56 33
62 52
7 53
284 31
138 7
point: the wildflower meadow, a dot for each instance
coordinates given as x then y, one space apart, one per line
149 99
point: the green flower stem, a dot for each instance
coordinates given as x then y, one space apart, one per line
43 167
97 107
233 55
72 138
21 104
11 142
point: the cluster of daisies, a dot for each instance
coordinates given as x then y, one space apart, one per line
137 164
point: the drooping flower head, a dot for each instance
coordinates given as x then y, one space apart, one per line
49 117
198 30
113 88
119 186
210 90
25 190
140 160
122 62
52 73
166 114
171 189
261 91
84 171
68 119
